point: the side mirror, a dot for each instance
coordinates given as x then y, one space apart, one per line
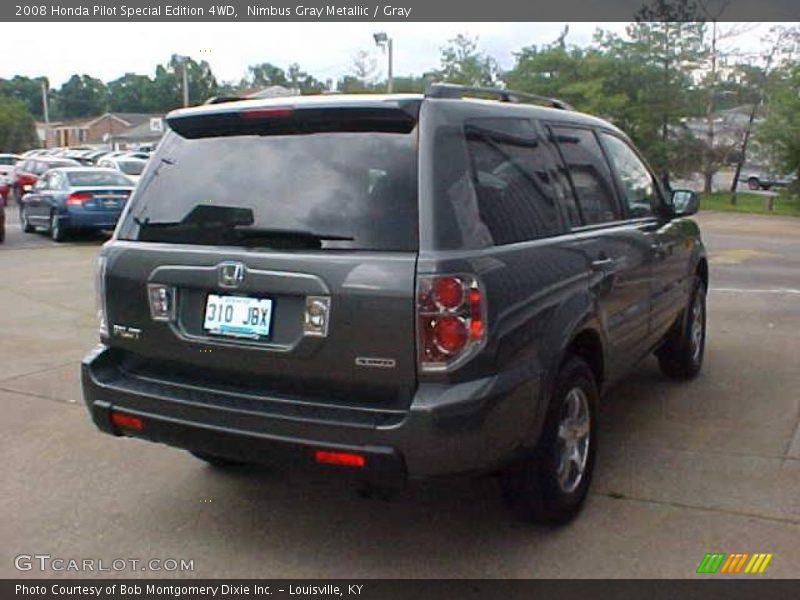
685 202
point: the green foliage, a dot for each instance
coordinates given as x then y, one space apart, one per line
264 75
779 134
784 204
26 89
82 96
131 93
462 62
17 126
299 79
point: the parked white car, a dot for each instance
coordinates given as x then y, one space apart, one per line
129 165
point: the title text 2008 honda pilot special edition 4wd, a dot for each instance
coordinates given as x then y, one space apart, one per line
400 286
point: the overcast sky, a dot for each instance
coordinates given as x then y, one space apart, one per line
326 50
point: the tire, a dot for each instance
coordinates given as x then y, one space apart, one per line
541 486
57 233
24 222
681 355
218 462
753 183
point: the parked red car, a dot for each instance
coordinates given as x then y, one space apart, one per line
7 162
2 222
27 172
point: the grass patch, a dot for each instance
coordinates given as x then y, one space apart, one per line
784 205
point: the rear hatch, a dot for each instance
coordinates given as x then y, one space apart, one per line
273 250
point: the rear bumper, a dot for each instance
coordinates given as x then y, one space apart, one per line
89 220
448 429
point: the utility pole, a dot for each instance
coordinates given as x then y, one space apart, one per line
756 103
711 109
185 84
45 112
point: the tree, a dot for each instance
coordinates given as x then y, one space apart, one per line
82 96
17 126
131 93
167 88
668 35
26 89
264 75
462 62
299 79
363 68
779 134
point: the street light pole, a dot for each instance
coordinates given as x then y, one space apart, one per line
390 83
385 43
45 112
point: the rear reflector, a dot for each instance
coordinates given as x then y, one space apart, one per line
348 459
126 421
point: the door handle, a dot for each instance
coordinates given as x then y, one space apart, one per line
603 264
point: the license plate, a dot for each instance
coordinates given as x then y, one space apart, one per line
238 316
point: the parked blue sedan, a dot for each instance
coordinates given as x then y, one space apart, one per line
70 199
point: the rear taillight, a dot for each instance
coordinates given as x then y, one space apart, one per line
78 198
451 315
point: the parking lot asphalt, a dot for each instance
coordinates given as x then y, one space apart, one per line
683 469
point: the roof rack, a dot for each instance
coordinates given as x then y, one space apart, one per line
456 91
223 99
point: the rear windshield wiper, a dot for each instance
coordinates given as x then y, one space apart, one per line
220 233
222 225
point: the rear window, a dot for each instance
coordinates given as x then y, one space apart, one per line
94 178
331 190
41 167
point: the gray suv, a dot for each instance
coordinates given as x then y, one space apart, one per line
397 287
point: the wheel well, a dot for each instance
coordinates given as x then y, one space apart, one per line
702 271
588 346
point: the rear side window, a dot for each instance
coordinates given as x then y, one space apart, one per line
512 176
589 173
328 190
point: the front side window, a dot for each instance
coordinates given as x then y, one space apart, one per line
589 173
638 187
